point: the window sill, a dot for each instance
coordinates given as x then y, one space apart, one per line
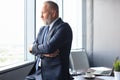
15 66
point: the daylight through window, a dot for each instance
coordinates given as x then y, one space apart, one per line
11 31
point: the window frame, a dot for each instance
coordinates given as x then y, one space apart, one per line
29 36
30 28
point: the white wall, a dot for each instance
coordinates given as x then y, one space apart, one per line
106 38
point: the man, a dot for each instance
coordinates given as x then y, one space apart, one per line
53 46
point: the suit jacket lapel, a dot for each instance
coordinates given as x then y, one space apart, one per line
43 31
53 29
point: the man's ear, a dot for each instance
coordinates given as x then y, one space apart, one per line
54 13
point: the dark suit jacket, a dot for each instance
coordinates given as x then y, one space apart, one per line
59 37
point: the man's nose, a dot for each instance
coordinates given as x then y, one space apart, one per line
41 16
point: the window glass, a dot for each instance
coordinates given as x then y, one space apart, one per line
72 13
11 31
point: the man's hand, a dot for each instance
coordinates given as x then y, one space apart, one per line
30 48
54 54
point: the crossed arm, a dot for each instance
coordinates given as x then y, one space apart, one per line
61 36
54 54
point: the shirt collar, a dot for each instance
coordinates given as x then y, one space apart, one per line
51 25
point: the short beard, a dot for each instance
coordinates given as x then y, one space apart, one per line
49 20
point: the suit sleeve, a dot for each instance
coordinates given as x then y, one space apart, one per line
61 36
35 49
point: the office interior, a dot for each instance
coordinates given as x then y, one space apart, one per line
101 22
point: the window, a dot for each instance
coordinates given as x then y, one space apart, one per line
71 13
11 31
18 26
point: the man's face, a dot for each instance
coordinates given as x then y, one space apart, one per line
46 15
